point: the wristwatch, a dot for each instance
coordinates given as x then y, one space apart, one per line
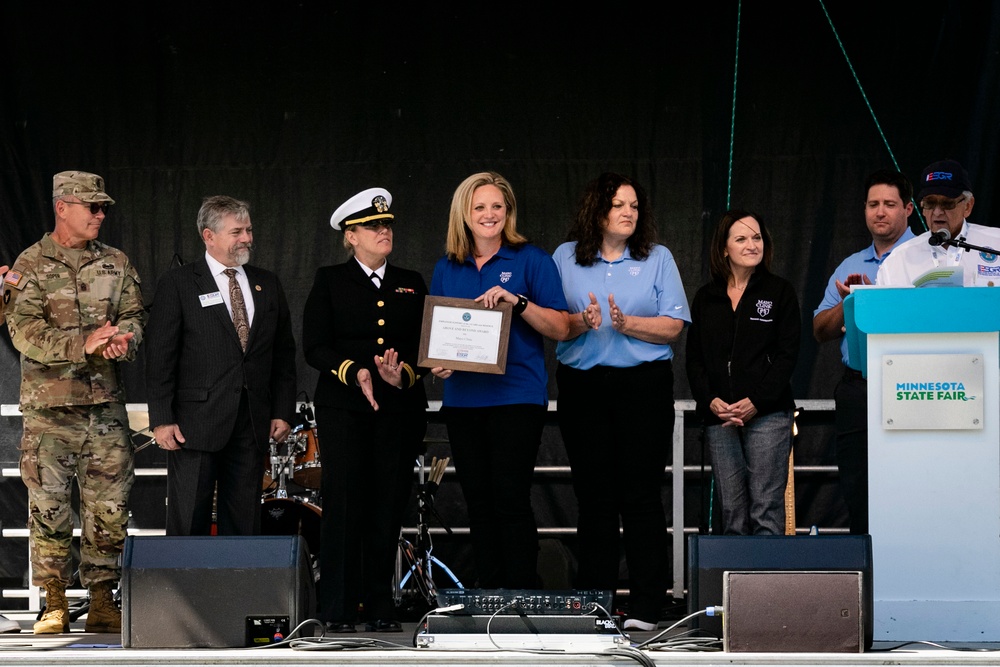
522 303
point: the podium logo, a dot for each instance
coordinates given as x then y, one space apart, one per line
932 391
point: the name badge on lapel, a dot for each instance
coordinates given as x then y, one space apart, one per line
210 299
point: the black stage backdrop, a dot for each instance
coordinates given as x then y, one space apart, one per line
296 106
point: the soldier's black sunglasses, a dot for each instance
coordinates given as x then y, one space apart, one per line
94 206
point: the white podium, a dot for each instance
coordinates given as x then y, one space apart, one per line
932 357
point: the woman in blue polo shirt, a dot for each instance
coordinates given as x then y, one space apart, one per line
495 421
627 306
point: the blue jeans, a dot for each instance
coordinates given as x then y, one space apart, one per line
750 466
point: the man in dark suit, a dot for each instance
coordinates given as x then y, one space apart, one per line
220 376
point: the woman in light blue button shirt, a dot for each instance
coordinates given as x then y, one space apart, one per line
627 305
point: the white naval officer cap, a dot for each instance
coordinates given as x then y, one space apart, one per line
369 206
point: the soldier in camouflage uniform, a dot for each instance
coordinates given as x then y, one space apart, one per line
6 624
74 310
3 272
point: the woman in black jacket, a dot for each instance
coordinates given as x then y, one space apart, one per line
361 330
741 350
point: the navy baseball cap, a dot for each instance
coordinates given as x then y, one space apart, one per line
945 177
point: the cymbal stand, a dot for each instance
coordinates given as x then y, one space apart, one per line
415 562
145 433
280 468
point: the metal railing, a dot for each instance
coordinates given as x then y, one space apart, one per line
675 474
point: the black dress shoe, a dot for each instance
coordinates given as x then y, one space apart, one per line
333 627
383 626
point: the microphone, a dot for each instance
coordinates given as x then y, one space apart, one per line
939 238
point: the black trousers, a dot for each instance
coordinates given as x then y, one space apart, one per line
851 423
367 463
617 425
235 471
494 449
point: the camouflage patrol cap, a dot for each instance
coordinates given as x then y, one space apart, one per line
86 187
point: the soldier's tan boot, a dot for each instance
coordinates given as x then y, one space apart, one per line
56 616
103 614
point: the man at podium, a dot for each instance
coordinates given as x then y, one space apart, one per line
946 199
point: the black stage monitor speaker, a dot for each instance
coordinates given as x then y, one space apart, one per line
186 592
798 612
709 556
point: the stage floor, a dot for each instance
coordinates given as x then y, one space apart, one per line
82 648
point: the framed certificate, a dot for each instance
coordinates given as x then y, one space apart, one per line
463 335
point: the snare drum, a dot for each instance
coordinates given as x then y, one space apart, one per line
287 516
308 471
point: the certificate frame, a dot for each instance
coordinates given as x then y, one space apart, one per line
437 324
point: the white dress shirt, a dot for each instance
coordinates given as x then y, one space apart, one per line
915 257
222 280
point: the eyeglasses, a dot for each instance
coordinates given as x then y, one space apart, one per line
943 204
94 206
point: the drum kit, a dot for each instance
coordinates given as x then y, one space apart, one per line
300 463
294 465
291 505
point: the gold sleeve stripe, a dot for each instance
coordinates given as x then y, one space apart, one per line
342 371
410 374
